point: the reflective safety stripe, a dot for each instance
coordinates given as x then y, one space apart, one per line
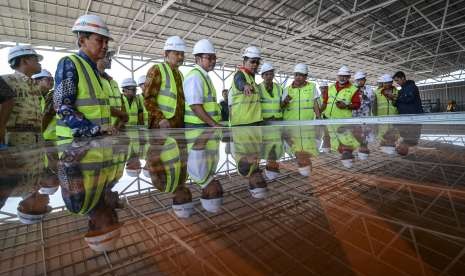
301 106
91 102
271 105
167 96
209 104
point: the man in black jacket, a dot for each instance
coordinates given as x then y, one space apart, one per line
408 99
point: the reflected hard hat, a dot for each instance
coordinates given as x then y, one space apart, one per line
203 46
270 175
48 190
22 50
305 171
252 52
128 83
43 74
362 155
133 172
259 193
175 43
359 75
389 150
301 68
103 241
184 210
91 23
266 67
343 71
347 163
212 205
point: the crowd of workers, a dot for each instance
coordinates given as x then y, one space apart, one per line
86 101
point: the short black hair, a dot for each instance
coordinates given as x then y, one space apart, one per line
82 34
399 74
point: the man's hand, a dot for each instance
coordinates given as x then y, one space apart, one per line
341 105
248 90
164 124
287 100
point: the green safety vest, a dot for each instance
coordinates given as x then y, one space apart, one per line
171 159
303 139
245 109
209 100
301 106
49 133
140 98
167 97
132 110
345 138
92 98
272 140
247 141
345 95
384 106
97 171
115 98
271 105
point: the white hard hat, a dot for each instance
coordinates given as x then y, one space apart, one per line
270 175
175 43
48 190
128 83
203 46
359 75
362 155
305 171
343 71
252 52
212 205
259 192
301 68
323 84
387 78
141 79
43 74
91 23
389 150
380 79
184 210
133 172
347 163
28 218
266 67
23 50
103 242
326 150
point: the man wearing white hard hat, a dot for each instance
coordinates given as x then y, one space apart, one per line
385 98
140 97
118 115
343 96
45 81
20 113
270 94
300 98
202 109
131 104
244 96
367 97
81 102
323 86
163 92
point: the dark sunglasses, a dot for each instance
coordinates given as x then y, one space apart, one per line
254 61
